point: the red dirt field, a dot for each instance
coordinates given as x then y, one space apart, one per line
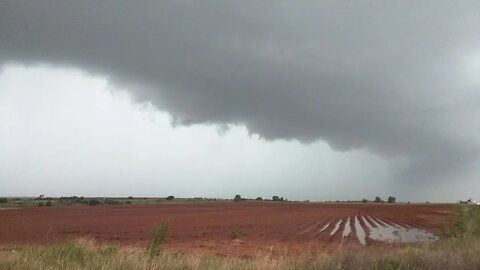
243 229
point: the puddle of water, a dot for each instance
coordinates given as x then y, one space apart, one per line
397 233
360 232
336 228
347 230
402 235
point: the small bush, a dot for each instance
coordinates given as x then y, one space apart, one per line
70 253
48 203
467 223
159 237
111 202
391 199
378 200
93 202
237 198
128 202
169 198
364 201
40 204
259 199
3 200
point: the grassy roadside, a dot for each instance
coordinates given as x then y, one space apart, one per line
459 250
442 255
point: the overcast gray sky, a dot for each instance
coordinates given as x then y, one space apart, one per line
304 99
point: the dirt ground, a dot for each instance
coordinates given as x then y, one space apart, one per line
227 228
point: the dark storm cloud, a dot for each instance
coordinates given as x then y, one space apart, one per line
386 76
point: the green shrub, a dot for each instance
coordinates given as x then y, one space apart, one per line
391 199
237 198
40 204
93 202
467 223
259 199
69 253
159 237
48 203
3 200
169 198
111 202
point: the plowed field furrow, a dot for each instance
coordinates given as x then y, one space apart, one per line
360 231
310 228
399 222
324 233
312 231
353 229
369 222
324 228
378 221
382 221
363 223
301 224
389 222
350 232
394 220
347 230
336 234
312 225
278 226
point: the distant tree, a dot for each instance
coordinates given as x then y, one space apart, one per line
169 198
277 199
391 199
364 201
237 198
259 199
378 200
3 200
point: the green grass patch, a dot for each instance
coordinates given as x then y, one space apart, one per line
467 222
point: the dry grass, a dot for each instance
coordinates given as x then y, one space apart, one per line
453 253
